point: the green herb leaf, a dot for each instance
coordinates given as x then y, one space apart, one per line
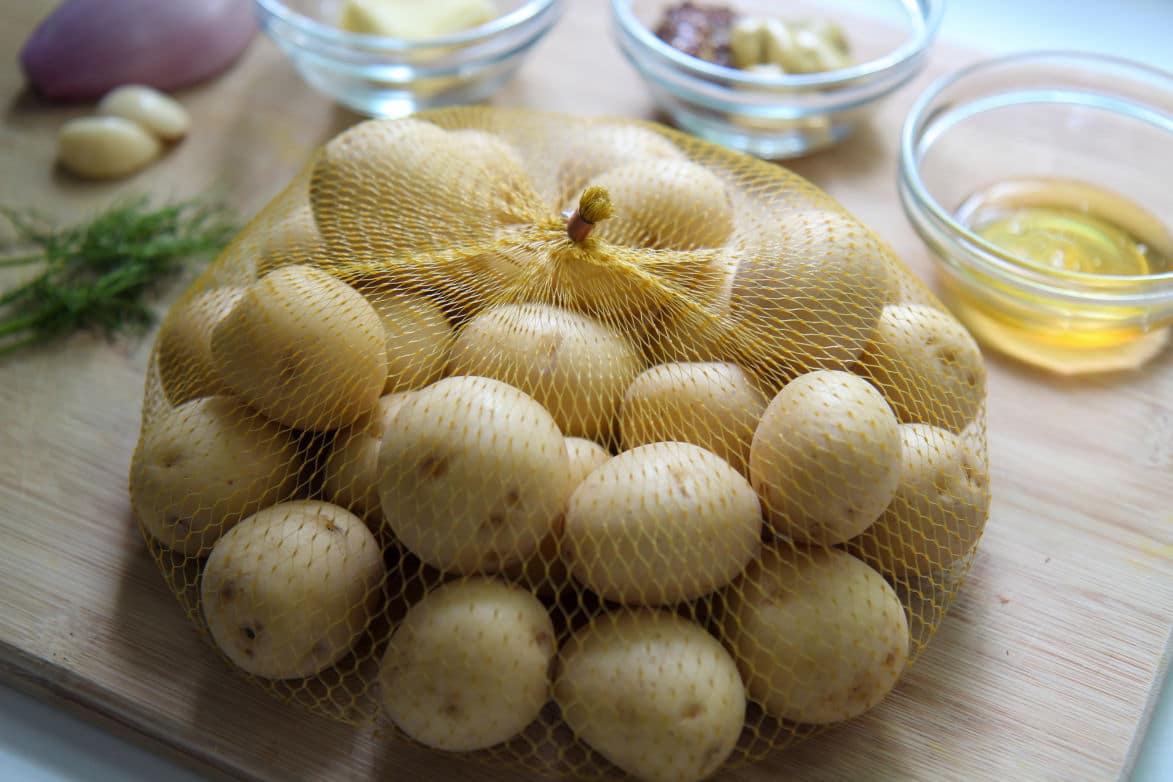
98 275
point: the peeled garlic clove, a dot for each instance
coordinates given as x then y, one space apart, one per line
159 113
747 42
105 147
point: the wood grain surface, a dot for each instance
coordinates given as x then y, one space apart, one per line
1041 671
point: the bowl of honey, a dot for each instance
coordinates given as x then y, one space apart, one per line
1041 183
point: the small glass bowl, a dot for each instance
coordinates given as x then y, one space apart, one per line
389 77
774 116
1047 116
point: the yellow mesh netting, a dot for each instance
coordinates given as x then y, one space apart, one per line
578 444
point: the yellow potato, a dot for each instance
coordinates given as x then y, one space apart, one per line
467 667
288 591
382 187
288 240
713 405
184 346
350 477
304 348
825 458
927 366
665 204
418 338
811 295
585 455
545 571
576 367
940 508
661 524
473 474
600 147
818 636
205 465
653 693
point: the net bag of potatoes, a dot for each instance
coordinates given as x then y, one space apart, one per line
581 445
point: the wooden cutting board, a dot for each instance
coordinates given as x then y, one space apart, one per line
1043 670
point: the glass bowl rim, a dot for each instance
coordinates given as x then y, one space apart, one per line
985 256
931 14
324 33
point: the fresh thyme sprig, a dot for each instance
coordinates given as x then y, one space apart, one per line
98 275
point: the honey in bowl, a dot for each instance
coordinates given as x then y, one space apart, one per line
1064 228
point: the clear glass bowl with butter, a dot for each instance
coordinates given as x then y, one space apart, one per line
391 58
1040 181
777 106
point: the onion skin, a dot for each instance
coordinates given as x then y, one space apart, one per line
85 48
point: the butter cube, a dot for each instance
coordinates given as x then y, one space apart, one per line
415 20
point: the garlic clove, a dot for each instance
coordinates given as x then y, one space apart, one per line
105 147
157 112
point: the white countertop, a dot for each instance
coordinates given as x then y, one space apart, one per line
40 743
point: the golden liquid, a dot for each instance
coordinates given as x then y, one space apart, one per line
1061 226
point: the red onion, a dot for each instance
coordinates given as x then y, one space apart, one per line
85 48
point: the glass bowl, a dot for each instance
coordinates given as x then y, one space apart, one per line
780 116
1081 131
389 77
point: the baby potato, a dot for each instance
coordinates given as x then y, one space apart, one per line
288 591
927 366
825 458
184 347
291 239
713 405
603 146
576 367
473 474
940 508
203 466
469 665
818 636
545 570
653 693
585 455
400 179
665 204
418 338
304 348
661 524
351 474
811 295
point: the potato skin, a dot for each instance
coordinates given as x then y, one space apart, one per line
473 474
576 367
661 524
818 636
184 346
601 147
927 366
304 348
653 693
585 455
810 296
544 572
350 477
468 666
714 405
418 339
825 457
205 465
940 508
287 592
